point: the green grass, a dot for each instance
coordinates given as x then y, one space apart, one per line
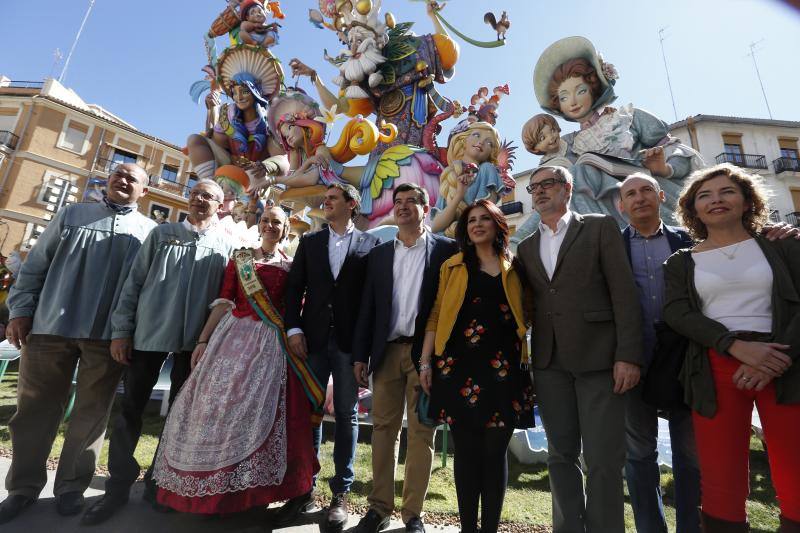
527 499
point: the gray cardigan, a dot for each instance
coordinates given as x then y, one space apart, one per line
682 311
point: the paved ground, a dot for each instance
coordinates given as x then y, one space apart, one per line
138 517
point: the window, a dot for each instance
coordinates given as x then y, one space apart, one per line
788 147
791 153
190 183
74 137
121 157
53 184
169 173
732 147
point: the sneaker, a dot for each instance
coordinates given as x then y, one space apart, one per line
372 523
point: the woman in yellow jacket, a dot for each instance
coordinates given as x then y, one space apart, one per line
474 362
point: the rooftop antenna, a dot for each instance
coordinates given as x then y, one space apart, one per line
75 42
755 64
661 38
57 56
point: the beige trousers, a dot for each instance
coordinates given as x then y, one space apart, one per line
45 375
393 388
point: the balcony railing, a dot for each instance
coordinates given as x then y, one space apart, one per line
743 160
8 139
170 186
775 216
511 208
793 219
784 164
15 84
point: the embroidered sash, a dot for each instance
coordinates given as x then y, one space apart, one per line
264 308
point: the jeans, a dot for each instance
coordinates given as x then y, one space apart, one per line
345 406
642 472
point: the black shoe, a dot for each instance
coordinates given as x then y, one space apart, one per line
372 523
13 506
149 495
69 503
103 509
290 511
415 525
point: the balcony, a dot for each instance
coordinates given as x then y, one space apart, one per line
14 84
743 160
793 219
169 186
786 164
8 139
511 208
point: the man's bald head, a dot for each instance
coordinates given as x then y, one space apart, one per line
636 177
127 183
640 198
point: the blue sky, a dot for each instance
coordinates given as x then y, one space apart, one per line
138 59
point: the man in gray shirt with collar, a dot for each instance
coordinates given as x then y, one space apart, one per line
59 308
162 309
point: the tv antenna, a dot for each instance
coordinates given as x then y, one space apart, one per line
75 42
661 38
755 64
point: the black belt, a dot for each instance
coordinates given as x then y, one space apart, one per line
403 340
752 336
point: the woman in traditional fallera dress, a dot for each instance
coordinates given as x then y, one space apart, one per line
238 433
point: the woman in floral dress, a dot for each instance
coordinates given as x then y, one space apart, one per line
474 362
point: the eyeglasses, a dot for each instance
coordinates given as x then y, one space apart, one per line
207 196
544 184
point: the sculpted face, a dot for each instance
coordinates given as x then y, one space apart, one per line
720 202
242 97
480 226
548 140
292 134
256 15
127 184
575 99
479 145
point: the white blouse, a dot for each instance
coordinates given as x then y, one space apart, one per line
735 286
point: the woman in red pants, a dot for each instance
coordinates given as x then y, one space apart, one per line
736 296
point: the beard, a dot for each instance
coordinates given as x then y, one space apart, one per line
356 69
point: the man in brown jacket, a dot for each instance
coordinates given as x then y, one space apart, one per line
587 344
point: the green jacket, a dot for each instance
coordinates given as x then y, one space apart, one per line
682 311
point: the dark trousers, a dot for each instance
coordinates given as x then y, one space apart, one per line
481 474
139 379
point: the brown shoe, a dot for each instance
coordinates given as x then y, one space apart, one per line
336 515
789 526
718 525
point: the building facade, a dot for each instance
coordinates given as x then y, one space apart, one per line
766 147
762 146
56 149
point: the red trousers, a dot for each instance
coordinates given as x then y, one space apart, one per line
723 446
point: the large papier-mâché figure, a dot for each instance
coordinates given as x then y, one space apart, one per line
572 81
388 71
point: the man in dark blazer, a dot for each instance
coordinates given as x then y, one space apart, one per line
323 295
400 289
586 351
649 242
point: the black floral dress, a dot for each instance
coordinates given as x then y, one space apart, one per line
478 381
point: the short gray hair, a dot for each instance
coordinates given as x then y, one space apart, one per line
641 176
559 171
213 185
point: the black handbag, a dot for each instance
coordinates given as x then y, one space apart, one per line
662 388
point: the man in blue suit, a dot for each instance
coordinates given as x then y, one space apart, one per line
399 292
323 294
649 242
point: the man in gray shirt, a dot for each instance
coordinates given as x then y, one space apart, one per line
59 310
162 309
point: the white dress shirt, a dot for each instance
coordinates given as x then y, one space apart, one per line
551 241
337 248
191 227
407 271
